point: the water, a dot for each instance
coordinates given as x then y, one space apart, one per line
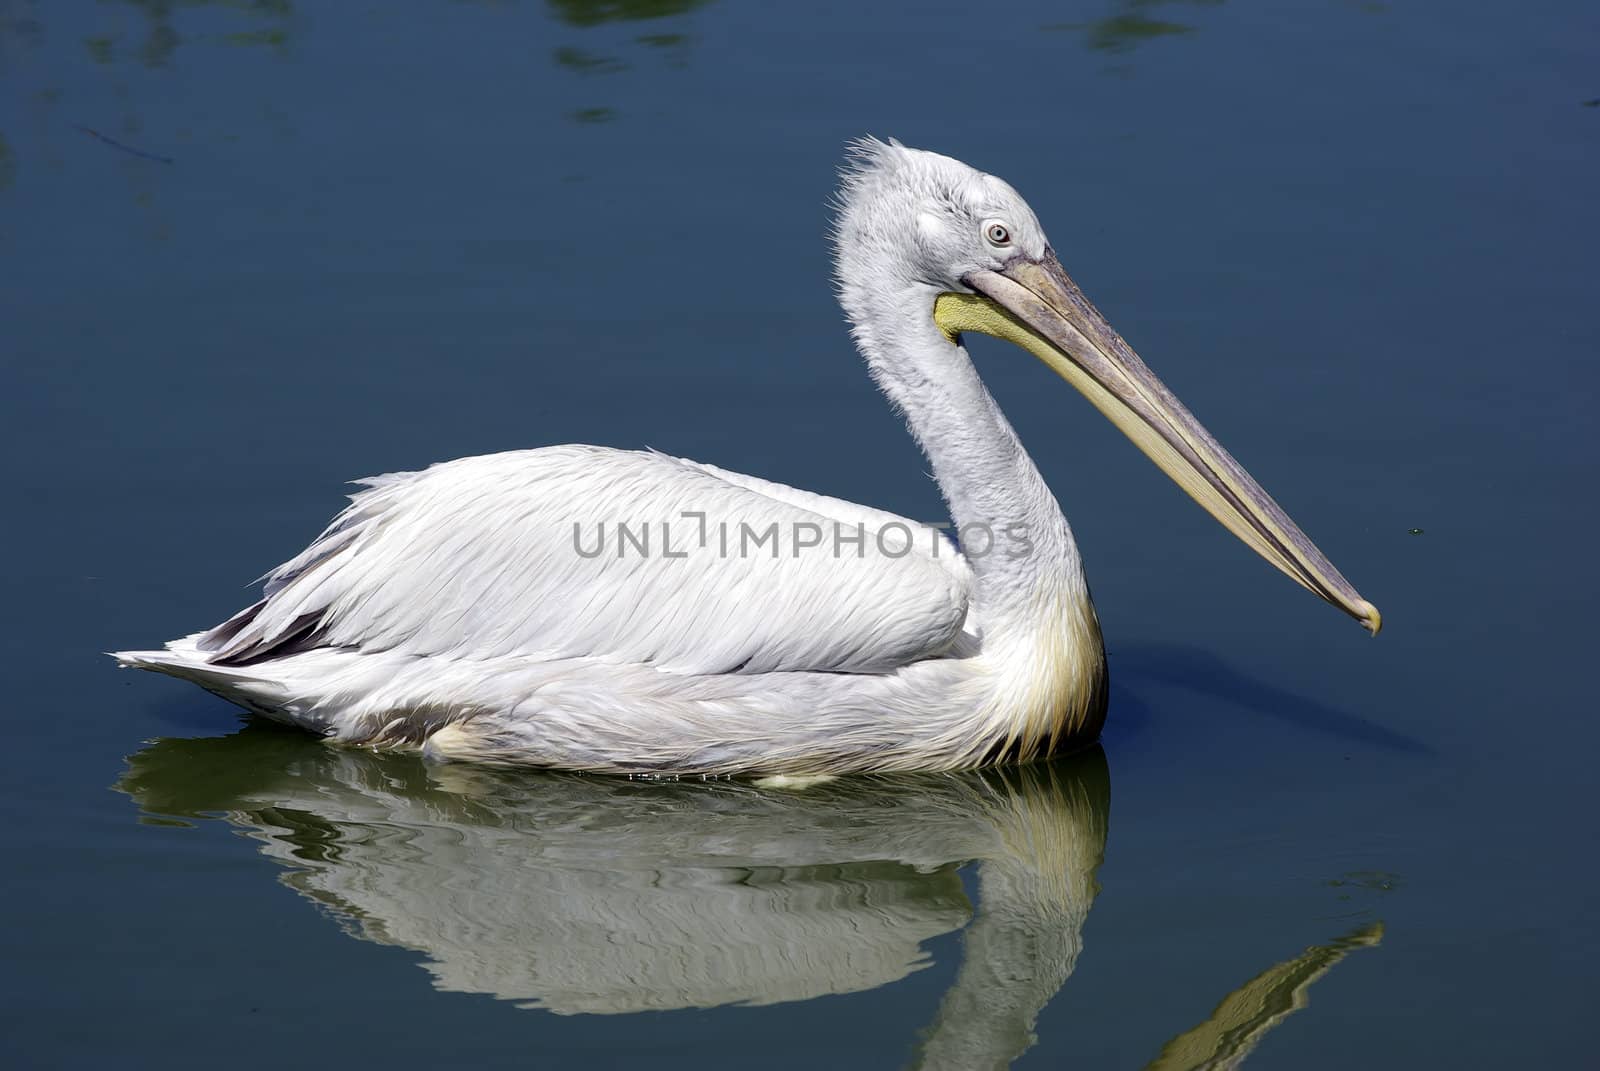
1356 238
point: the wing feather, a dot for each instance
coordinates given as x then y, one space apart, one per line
584 552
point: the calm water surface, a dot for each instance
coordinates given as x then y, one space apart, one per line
252 250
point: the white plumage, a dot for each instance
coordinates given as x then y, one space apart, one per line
609 610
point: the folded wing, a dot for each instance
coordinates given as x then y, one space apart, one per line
584 552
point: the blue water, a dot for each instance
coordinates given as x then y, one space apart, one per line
251 251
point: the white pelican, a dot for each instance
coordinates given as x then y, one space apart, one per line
609 610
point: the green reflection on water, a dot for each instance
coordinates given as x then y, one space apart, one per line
162 38
1131 25
596 12
275 37
589 14
583 61
101 47
581 894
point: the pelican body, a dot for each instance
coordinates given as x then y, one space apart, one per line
615 611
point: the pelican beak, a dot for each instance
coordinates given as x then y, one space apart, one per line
1035 305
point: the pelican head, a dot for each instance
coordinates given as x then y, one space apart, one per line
980 262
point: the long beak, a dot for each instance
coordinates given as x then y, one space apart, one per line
1036 306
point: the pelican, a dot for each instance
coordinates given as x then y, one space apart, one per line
586 608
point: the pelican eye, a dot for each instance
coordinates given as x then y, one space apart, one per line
998 234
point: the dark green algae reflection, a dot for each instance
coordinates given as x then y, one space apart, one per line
1131 23
596 895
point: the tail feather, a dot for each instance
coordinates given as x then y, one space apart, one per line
183 659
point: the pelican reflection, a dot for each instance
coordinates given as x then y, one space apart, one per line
579 894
